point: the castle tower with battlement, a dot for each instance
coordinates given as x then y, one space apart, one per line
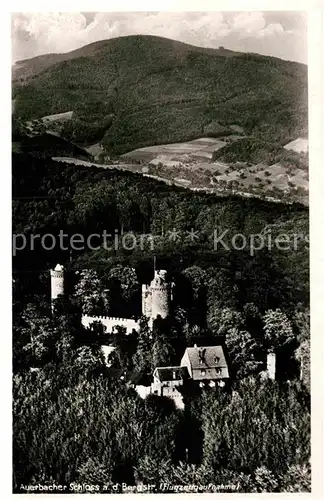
156 299
57 282
156 296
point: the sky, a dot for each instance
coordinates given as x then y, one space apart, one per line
280 34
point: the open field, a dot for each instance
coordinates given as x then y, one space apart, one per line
94 150
182 151
83 163
221 178
58 117
50 124
299 145
300 179
189 164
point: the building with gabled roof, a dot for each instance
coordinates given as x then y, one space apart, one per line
206 364
168 381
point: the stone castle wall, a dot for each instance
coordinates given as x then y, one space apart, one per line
146 301
111 323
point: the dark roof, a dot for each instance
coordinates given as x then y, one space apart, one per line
208 357
165 373
130 376
139 378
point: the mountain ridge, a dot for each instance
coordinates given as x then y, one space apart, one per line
219 49
48 59
138 90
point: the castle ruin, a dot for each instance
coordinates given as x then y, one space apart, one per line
156 299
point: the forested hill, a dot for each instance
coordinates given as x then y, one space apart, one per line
27 68
49 196
139 90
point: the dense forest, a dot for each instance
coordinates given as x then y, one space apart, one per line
46 145
134 91
76 423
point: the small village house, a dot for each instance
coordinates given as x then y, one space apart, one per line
168 381
206 365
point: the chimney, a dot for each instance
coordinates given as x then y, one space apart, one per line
201 354
271 365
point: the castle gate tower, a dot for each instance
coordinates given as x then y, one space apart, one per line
57 281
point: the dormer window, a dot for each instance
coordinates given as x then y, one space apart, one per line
217 359
203 372
218 371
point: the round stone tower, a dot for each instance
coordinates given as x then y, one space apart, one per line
160 295
57 281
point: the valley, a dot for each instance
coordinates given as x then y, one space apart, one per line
190 165
203 119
